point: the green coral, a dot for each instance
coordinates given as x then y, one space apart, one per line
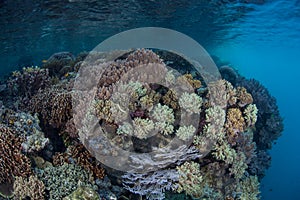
185 132
83 193
164 117
190 102
224 152
62 180
250 113
125 129
142 127
249 188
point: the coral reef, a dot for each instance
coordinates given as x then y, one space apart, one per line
62 180
83 193
269 122
23 85
27 127
13 162
60 63
79 155
54 105
31 188
145 106
152 185
190 179
190 102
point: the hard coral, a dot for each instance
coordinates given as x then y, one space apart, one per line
27 82
83 193
235 123
243 97
13 162
190 179
62 180
31 188
269 125
54 106
79 155
59 63
188 79
153 185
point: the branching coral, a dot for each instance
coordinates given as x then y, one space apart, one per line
142 128
164 119
153 185
13 162
250 113
249 188
243 97
54 106
269 122
79 155
27 82
31 187
27 127
187 79
171 99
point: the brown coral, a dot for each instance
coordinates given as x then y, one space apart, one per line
244 98
13 162
54 106
82 157
114 71
234 124
171 99
31 187
188 79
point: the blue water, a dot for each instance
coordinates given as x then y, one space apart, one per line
259 38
